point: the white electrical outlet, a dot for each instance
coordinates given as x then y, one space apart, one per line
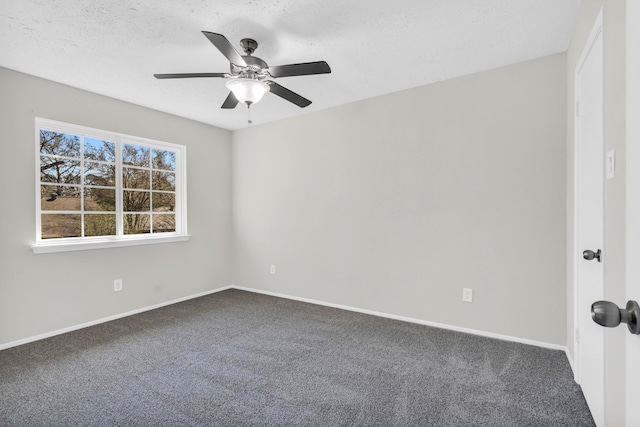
117 285
467 295
273 269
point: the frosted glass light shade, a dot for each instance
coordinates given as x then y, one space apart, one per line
248 91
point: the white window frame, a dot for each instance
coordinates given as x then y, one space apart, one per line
119 240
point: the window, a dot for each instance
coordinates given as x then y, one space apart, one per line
99 189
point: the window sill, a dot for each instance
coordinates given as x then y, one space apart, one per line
67 246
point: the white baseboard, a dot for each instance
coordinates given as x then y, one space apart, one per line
290 297
571 364
107 319
411 320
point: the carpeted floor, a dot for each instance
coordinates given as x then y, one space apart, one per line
242 359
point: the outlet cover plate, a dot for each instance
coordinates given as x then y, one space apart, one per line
467 295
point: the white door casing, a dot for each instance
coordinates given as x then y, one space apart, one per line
633 207
589 219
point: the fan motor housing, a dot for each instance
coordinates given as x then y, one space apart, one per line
254 65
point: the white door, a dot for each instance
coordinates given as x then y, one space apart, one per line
589 184
633 206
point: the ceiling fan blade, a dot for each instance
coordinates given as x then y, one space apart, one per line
285 93
304 69
230 102
189 75
225 47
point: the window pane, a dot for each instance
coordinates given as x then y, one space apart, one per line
95 149
165 181
164 223
164 202
164 159
136 201
100 225
60 171
136 223
135 178
99 174
53 198
60 225
99 199
135 155
59 144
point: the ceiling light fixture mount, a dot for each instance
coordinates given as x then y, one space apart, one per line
249 45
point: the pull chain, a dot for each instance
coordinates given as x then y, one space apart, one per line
249 115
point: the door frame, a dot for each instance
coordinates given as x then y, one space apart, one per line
596 31
632 291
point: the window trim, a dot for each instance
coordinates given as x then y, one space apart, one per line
99 242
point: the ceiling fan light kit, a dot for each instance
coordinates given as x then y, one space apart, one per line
247 90
251 77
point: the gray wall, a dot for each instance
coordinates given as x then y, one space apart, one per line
615 228
47 292
396 203
391 204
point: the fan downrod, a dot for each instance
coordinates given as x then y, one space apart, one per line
249 45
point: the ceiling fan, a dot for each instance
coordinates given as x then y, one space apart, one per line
250 77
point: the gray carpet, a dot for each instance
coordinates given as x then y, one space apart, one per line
241 359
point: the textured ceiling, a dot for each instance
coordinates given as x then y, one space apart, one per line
374 47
